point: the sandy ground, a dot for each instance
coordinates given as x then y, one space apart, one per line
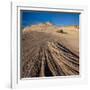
45 52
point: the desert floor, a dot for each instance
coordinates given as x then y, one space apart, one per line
47 52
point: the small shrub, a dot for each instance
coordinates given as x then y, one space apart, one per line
60 31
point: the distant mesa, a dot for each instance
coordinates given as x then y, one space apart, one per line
48 23
44 24
48 26
40 26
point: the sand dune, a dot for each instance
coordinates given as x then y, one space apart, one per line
45 52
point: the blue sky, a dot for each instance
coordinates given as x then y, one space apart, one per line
58 18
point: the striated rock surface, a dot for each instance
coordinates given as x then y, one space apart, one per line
45 52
